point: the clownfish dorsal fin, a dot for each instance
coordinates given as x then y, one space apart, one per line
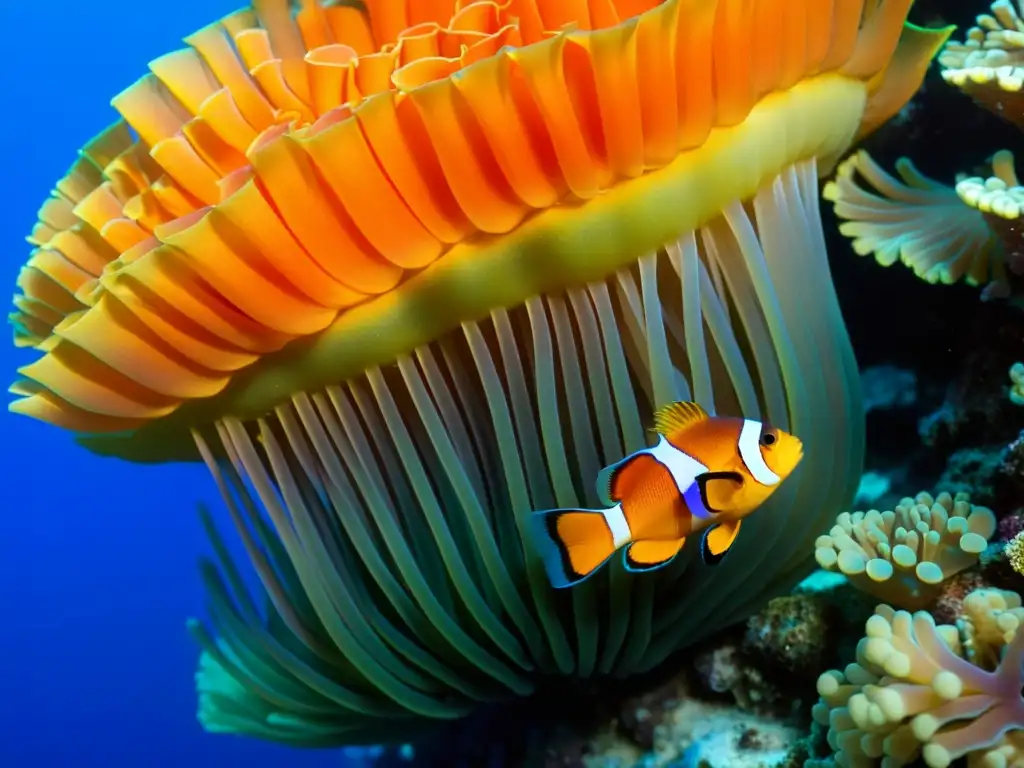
677 417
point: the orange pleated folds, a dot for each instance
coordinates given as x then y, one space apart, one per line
291 163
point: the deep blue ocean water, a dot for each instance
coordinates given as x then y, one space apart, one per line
97 556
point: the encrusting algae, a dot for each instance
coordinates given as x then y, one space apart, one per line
401 274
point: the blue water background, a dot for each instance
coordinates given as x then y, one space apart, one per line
97 556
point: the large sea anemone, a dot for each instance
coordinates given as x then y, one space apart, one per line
402 272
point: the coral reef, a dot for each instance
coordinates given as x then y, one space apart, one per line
455 633
744 700
792 636
674 727
725 668
942 383
769 664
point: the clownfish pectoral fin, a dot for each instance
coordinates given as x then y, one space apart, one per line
717 489
717 541
676 417
651 554
575 543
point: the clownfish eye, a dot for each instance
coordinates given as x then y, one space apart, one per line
768 437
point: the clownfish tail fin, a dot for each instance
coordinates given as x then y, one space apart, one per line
575 543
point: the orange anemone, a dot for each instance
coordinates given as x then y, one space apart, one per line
400 277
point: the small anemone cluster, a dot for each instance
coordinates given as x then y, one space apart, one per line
937 676
905 554
918 689
969 231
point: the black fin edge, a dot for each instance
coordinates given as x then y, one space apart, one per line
709 557
702 485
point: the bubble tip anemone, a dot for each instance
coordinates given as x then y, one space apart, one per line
904 555
938 692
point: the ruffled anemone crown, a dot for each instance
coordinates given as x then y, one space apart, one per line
971 231
402 272
289 167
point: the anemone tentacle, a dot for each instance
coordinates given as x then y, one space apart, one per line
470 433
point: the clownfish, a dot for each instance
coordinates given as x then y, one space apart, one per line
705 474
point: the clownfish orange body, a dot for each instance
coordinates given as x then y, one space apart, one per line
705 474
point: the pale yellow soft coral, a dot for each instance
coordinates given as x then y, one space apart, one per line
999 198
973 231
989 620
934 692
917 221
903 555
1017 383
989 64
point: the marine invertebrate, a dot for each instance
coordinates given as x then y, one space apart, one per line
938 692
792 635
1014 551
674 725
903 555
1000 200
971 231
1017 383
987 65
400 277
917 221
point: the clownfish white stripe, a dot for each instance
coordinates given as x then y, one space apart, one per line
683 467
618 525
750 452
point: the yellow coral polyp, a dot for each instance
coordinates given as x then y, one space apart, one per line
1000 194
989 63
903 555
1017 383
988 622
